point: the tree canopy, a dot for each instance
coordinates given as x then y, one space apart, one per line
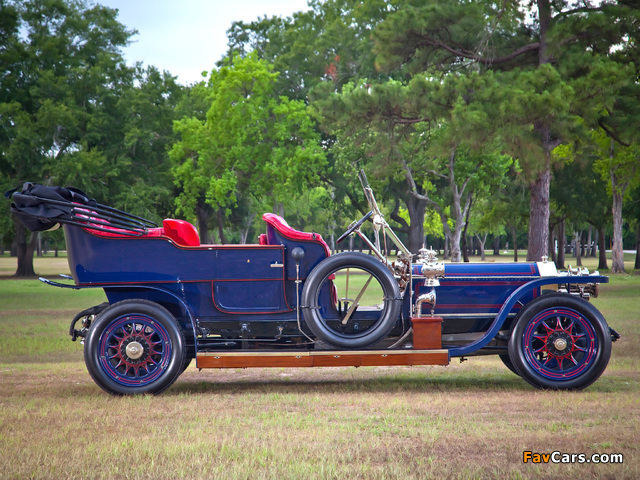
476 113
73 113
253 150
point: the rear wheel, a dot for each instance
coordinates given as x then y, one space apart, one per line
133 347
351 300
560 342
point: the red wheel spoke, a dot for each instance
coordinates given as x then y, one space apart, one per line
547 327
559 324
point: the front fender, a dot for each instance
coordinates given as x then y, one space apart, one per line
506 308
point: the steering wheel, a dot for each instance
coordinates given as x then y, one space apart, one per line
354 227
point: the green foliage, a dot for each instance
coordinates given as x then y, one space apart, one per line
329 42
72 113
253 149
618 165
408 133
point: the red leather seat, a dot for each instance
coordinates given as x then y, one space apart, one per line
281 225
181 232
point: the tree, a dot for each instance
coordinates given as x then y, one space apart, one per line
72 113
620 168
633 213
59 57
577 181
253 150
142 137
551 59
329 42
407 133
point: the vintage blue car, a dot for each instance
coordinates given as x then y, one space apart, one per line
287 301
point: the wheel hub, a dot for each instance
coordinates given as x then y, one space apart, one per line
559 344
134 350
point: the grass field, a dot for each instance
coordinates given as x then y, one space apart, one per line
468 420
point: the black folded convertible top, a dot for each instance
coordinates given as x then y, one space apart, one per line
41 208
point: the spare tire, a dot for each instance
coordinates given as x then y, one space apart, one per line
351 301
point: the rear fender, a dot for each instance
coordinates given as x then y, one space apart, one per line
169 300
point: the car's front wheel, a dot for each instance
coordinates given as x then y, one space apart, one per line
133 347
560 342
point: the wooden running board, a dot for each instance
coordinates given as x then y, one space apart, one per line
322 358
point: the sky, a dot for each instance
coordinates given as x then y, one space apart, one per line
187 37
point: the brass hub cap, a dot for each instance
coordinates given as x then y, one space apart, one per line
134 350
560 344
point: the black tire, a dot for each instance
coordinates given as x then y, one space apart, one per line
506 360
366 325
135 347
185 364
560 342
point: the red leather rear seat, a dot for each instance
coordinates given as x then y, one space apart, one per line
181 232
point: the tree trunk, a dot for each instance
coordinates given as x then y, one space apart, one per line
482 241
514 237
617 253
561 244
588 246
496 245
454 245
602 250
637 264
578 249
221 218
539 204
465 246
552 249
203 214
416 209
24 251
539 216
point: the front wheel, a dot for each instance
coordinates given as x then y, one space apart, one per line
133 347
351 300
560 342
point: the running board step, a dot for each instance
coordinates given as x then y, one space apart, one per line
324 358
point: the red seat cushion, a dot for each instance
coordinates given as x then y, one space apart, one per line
181 232
281 225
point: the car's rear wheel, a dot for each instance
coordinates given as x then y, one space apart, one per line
560 342
133 347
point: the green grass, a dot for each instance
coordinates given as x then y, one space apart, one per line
467 420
